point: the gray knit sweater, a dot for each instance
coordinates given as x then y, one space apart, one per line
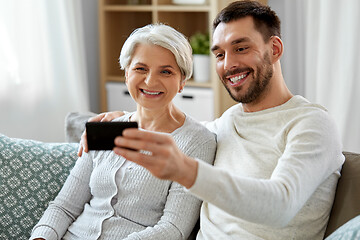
146 207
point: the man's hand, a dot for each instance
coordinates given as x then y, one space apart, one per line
103 117
159 155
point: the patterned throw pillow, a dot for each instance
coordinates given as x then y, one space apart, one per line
31 175
348 231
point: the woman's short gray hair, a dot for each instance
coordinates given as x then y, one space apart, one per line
163 36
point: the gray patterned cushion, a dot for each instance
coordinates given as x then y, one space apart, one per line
31 174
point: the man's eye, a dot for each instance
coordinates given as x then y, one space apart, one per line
241 49
219 55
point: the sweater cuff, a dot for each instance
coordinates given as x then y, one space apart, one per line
201 188
44 232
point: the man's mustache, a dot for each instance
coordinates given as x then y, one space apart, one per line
236 71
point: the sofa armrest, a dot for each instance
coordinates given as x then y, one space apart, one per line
347 197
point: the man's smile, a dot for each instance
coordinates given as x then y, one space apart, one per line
238 79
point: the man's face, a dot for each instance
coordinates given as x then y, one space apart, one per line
243 60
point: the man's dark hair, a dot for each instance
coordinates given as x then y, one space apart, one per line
265 20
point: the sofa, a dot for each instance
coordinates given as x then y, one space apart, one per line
32 172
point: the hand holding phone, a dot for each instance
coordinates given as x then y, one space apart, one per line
101 135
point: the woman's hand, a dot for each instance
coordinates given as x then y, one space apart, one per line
160 155
103 117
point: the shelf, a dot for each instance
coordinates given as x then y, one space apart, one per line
192 83
149 8
187 8
125 3
116 78
128 8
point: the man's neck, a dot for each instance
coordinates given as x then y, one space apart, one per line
276 95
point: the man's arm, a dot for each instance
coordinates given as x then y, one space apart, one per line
300 170
165 160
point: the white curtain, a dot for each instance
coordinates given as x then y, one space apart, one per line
332 58
42 67
322 58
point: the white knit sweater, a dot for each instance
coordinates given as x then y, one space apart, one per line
274 175
146 207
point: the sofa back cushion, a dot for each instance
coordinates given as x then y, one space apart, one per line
347 198
31 175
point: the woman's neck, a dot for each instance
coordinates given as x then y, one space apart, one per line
160 120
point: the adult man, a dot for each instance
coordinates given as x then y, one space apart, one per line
278 155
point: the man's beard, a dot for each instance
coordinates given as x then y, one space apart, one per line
259 84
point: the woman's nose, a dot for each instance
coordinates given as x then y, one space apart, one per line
150 79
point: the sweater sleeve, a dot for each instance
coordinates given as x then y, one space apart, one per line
68 204
182 209
312 154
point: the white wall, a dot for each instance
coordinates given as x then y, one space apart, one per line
91 32
291 62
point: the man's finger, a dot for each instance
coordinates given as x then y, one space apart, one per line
97 118
137 144
149 136
134 156
109 116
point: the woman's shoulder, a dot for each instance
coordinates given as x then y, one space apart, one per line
193 129
124 118
196 141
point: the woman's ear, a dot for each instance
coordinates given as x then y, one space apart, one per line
182 84
277 48
126 75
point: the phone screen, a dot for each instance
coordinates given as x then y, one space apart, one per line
101 135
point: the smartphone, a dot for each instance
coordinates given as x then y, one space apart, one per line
101 135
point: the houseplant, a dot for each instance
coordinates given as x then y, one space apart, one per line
200 45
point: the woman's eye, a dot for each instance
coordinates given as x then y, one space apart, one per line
140 69
166 72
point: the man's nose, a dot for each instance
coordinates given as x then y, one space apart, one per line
230 62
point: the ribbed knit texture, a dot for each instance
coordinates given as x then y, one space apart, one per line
146 207
274 175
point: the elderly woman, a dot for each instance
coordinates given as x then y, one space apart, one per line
108 197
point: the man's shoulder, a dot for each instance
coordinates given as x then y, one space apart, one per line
300 102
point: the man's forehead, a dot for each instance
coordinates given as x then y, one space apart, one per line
238 29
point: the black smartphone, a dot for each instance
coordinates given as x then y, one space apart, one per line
101 135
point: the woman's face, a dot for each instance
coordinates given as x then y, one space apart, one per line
153 76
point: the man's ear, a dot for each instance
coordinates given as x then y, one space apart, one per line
277 48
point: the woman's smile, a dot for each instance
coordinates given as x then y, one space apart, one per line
150 93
